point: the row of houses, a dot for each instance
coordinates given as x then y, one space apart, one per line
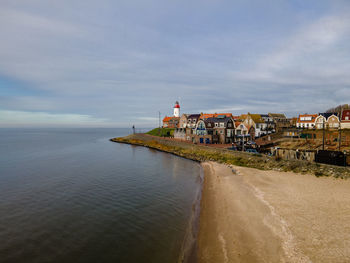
223 127
227 128
324 120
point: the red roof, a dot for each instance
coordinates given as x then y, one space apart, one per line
313 117
214 115
167 119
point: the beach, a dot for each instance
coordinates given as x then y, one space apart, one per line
270 214
250 215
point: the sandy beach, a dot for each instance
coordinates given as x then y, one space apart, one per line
250 215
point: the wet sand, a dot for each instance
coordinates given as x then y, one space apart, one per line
251 215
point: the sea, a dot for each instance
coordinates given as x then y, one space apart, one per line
71 195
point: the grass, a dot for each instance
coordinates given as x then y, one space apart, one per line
162 132
318 173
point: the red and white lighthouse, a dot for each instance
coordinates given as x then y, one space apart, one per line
177 109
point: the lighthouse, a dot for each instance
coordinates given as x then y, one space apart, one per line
177 109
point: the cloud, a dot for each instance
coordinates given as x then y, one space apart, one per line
154 119
123 61
314 55
37 23
225 109
24 119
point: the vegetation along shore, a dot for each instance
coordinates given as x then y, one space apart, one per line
203 153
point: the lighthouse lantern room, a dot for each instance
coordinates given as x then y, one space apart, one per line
177 109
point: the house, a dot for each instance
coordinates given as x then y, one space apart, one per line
201 133
218 129
192 120
171 122
242 132
183 121
258 124
222 128
333 121
345 119
281 121
321 120
306 121
187 124
270 123
188 120
293 122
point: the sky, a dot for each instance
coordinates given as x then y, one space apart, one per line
116 63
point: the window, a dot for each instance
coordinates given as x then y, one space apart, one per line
229 124
222 125
221 132
216 124
347 118
209 124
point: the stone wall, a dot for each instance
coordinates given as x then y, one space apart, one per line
180 133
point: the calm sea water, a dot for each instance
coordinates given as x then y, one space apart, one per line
70 195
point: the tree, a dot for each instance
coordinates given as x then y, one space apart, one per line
338 109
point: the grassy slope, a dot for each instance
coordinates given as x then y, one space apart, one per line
165 132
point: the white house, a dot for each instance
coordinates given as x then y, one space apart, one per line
306 121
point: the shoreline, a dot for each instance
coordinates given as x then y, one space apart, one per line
202 153
154 148
252 215
188 253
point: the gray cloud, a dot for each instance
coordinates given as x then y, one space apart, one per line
121 62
